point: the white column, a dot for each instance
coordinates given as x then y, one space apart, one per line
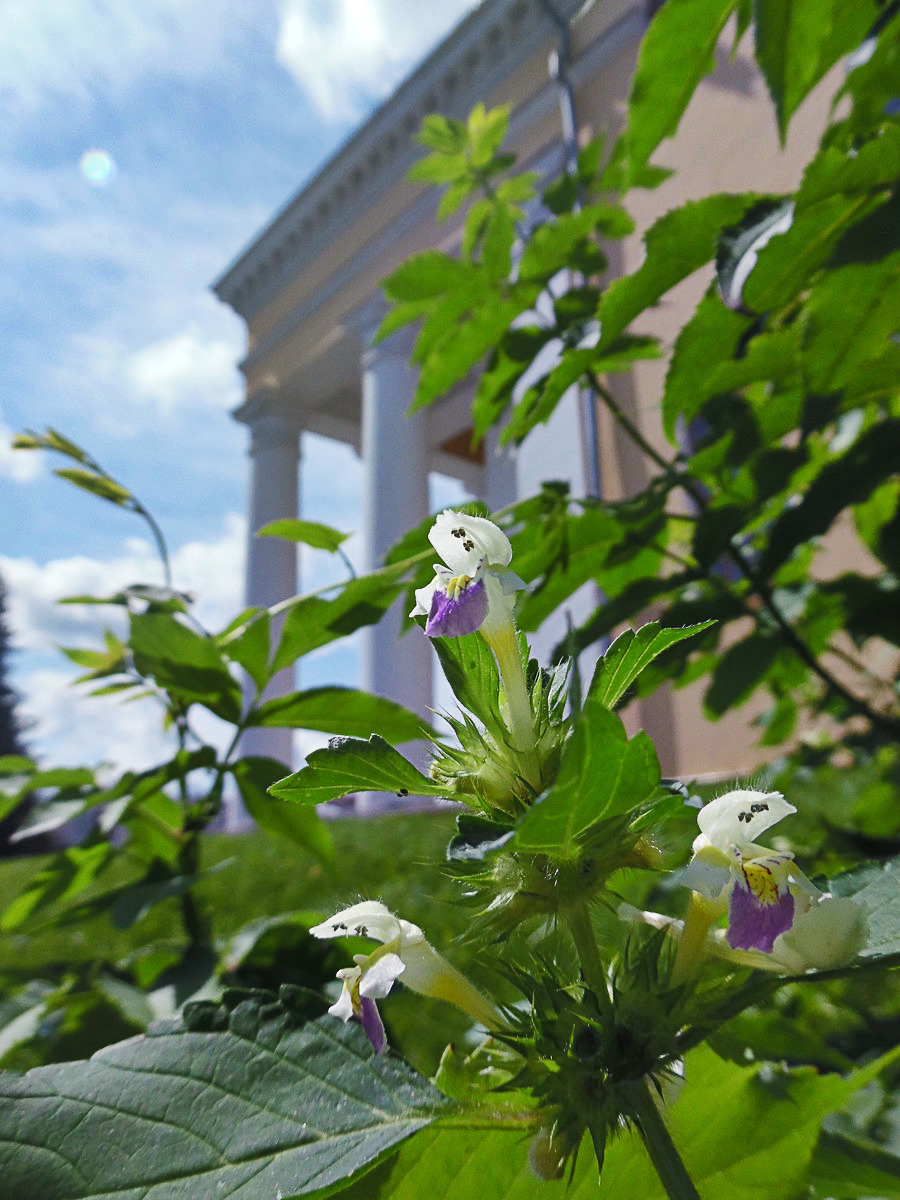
271 573
395 498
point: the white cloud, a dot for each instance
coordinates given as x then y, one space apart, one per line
345 53
187 369
211 570
81 48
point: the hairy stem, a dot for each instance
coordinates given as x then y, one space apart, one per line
579 922
671 1170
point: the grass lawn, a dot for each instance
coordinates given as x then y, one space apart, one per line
392 858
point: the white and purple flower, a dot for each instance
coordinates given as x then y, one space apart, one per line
404 953
473 589
761 885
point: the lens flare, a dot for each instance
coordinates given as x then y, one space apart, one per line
97 167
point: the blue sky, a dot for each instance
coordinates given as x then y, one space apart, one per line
211 113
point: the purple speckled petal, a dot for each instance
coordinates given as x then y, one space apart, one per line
753 925
370 1019
456 617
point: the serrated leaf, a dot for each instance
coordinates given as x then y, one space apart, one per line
342 710
629 654
678 244
310 533
425 276
262 1108
349 765
603 774
797 41
675 54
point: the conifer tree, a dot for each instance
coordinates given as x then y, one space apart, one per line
10 726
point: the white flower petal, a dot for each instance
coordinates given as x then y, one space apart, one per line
829 934
738 817
463 542
370 918
378 979
424 596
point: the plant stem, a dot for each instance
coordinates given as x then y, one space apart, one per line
579 922
658 1140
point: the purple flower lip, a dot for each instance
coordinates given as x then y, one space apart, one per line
754 924
458 614
370 1019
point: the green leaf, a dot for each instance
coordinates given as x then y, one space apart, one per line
97 485
678 244
425 276
847 1168
739 671
310 533
313 621
261 1108
184 662
254 776
353 765
342 710
848 321
777 1112
471 670
629 654
675 54
603 774
877 889
797 41
249 645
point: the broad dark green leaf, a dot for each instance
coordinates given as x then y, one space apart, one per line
629 654
352 765
264 1108
603 774
254 775
343 710
310 533
677 51
678 244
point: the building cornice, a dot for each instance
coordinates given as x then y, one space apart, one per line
471 61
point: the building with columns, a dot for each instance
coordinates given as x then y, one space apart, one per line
308 288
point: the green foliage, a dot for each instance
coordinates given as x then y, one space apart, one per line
349 765
782 409
275 1127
